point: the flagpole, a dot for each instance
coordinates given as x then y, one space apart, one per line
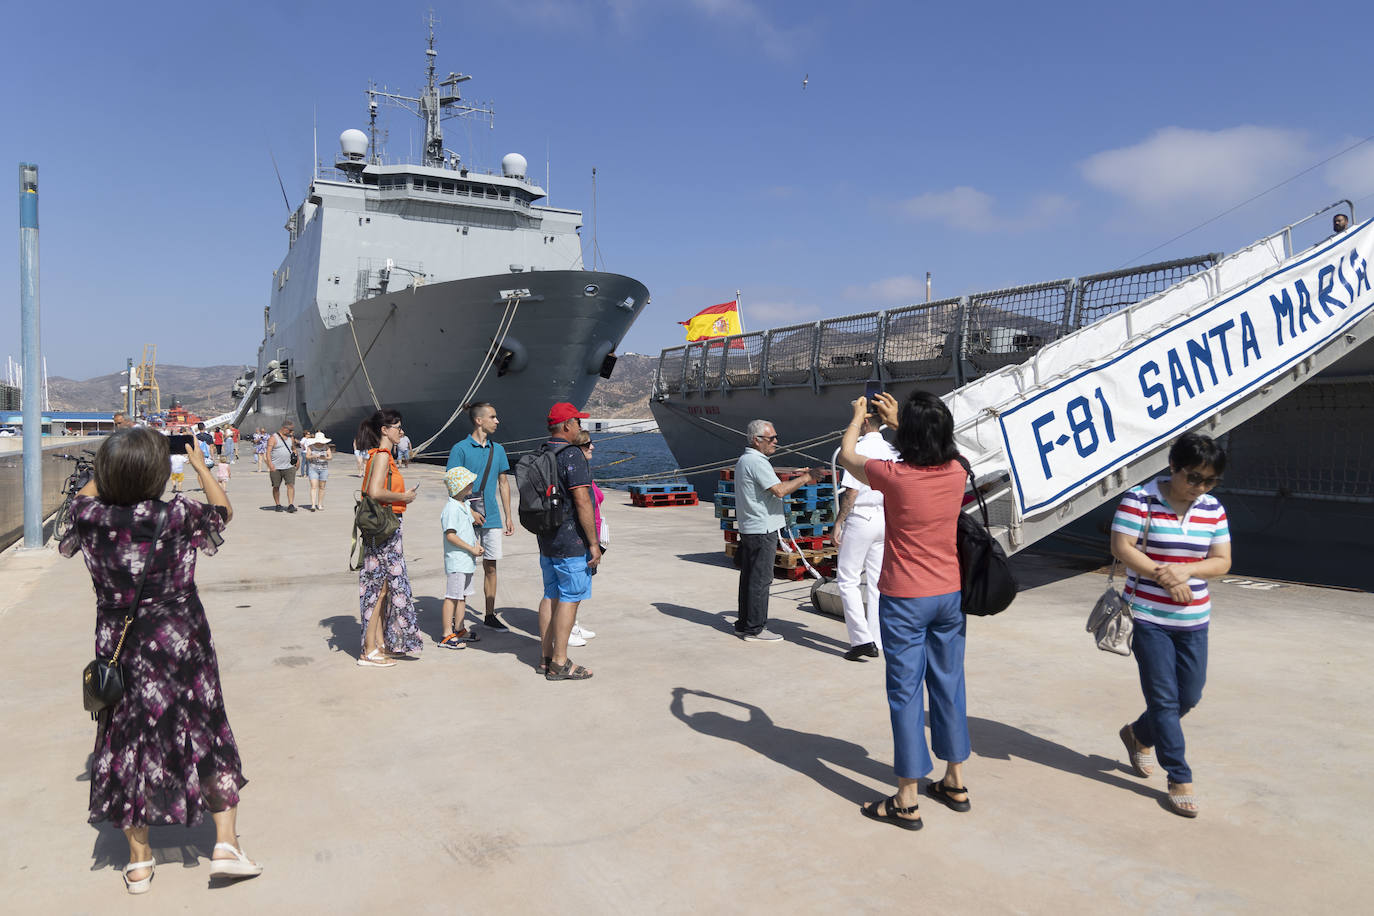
748 360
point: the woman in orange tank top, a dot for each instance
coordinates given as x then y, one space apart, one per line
390 626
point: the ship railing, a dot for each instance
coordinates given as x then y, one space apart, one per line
956 339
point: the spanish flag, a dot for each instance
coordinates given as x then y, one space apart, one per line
717 321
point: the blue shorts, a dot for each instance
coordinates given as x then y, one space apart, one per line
565 578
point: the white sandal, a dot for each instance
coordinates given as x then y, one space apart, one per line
238 867
141 885
375 659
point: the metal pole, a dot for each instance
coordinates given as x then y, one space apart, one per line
129 391
33 378
927 286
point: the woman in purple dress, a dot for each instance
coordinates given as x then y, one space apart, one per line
164 754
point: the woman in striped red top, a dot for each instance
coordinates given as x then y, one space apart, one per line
1187 542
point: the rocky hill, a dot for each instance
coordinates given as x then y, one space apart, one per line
202 391
206 391
625 394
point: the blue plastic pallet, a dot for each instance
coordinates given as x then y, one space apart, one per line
803 531
642 489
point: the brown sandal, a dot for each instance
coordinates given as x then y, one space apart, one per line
566 672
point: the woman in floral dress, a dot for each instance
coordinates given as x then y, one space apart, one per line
164 754
391 628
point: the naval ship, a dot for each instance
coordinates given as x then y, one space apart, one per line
422 287
1301 472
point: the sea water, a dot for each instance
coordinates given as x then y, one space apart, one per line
619 455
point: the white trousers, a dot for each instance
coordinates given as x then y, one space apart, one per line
861 551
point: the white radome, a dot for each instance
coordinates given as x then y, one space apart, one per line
353 142
513 165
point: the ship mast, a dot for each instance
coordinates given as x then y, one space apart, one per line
440 101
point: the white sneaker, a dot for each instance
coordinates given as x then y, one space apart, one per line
579 630
574 640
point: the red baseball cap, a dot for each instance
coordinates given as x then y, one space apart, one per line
563 411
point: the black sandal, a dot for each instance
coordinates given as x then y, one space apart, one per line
941 793
870 810
566 672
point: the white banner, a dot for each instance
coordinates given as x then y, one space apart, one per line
1064 438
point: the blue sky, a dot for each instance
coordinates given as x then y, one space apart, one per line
993 144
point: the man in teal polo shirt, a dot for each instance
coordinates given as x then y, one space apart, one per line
487 459
759 515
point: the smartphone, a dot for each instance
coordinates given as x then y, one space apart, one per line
178 443
871 390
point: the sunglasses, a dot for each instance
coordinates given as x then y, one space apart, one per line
767 438
1197 480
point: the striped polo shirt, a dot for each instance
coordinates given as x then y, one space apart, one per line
1170 540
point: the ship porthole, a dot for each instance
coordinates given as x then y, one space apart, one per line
589 290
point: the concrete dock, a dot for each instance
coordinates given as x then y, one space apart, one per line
695 772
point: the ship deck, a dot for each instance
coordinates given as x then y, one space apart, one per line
694 772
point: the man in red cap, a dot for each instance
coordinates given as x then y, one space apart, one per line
568 556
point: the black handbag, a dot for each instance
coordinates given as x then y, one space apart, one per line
102 682
478 503
985 578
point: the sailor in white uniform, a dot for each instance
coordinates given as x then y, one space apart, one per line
859 532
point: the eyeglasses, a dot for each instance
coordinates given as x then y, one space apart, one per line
767 438
1197 480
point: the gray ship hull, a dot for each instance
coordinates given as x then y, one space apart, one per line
422 349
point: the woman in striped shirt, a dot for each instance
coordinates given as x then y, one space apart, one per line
1187 542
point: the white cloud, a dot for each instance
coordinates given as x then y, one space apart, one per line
1352 175
903 288
1177 165
973 210
748 17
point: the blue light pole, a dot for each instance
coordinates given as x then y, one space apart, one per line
33 373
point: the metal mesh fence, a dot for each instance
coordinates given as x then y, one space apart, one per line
671 363
1103 294
789 355
920 340
849 347
1007 326
696 365
744 359
1316 442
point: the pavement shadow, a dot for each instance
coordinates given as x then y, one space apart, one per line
714 558
812 755
521 637
429 615
345 634
175 845
724 621
1001 741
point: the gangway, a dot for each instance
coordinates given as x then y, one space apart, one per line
235 416
1094 412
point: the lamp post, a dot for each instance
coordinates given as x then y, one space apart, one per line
33 376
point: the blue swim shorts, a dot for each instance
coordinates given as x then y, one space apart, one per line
565 578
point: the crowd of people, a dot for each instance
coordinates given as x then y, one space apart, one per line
897 534
165 754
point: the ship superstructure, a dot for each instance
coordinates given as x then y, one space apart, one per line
423 286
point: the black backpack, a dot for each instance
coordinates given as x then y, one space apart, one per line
985 578
543 503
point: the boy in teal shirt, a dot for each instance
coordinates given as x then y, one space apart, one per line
461 549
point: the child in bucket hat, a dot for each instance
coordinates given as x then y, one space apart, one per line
461 549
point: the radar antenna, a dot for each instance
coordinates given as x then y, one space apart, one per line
440 101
